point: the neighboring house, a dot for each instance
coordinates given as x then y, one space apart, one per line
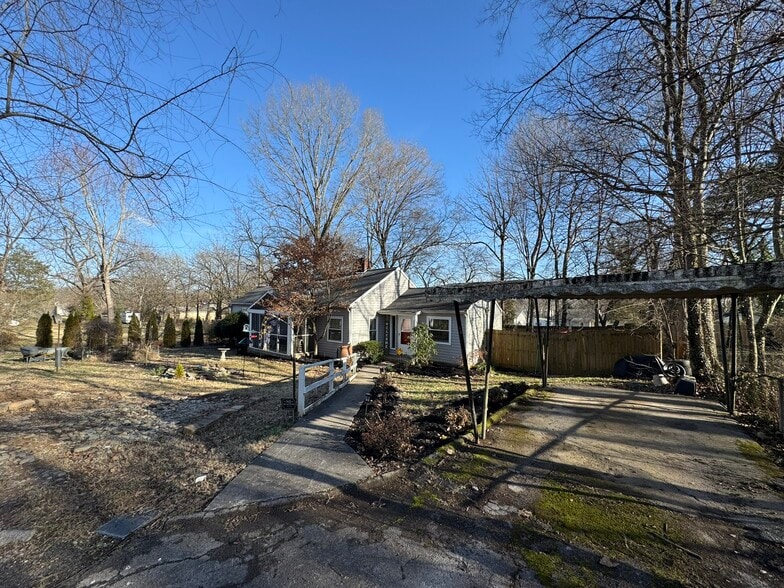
378 305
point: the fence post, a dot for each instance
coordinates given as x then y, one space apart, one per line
331 377
781 405
301 391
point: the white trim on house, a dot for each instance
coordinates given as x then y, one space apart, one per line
448 320
329 328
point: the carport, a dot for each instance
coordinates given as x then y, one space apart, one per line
717 282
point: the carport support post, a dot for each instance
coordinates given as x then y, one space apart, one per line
542 344
488 359
466 369
734 343
781 405
723 353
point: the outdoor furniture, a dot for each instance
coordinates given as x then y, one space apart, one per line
33 353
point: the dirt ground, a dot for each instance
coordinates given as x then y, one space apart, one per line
106 439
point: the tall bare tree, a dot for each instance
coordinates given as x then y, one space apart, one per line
311 143
666 76
401 204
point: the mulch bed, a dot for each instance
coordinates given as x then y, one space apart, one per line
388 439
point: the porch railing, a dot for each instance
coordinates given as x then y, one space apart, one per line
318 381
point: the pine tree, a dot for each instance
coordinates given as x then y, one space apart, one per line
72 334
185 334
198 337
151 333
134 331
117 335
169 333
43 334
87 311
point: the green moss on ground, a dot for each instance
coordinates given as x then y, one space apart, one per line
424 498
619 527
552 571
755 452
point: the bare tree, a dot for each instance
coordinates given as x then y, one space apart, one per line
665 75
222 273
401 204
311 143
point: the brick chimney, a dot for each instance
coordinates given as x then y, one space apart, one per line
363 265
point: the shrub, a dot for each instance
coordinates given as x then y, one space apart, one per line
389 437
423 348
198 336
98 332
43 333
179 371
370 351
230 326
185 334
135 331
151 330
117 336
169 332
456 419
72 335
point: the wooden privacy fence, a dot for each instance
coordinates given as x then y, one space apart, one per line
584 352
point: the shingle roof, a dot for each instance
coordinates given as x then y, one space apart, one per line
415 300
251 297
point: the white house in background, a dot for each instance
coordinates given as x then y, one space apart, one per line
378 305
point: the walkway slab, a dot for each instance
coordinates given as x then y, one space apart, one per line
310 457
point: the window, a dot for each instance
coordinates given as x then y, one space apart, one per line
440 329
373 330
335 329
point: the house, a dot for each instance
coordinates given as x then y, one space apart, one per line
377 305
413 308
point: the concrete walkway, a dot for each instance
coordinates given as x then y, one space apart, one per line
309 457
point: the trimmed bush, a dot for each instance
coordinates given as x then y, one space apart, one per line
117 336
87 310
99 332
370 351
72 334
179 371
169 332
185 333
43 333
151 330
198 337
135 331
230 326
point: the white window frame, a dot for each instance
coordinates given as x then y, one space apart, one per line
329 328
448 319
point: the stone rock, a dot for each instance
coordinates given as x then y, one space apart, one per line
83 448
608 563
8 536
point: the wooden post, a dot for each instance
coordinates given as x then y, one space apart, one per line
488 358
723 353
301 392
294 380
466 370
546 349
734 343
541 344
781 405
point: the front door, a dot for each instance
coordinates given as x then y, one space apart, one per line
404 328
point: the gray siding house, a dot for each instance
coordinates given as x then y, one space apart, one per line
379 305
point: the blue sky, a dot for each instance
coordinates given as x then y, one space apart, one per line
413 61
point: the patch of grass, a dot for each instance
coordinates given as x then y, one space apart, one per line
552 571
465 470
617 526
424 498
753 451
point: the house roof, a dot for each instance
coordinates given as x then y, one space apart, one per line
361 284
251 298
415 300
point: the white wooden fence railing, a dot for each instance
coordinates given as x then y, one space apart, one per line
339 372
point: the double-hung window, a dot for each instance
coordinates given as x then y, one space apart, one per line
440 330
335 329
